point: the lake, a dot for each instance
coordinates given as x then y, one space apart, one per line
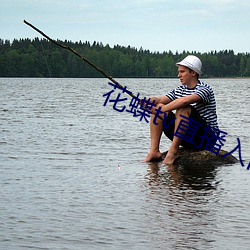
72 174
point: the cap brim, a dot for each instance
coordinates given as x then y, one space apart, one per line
199 72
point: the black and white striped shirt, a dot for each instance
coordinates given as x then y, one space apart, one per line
206 108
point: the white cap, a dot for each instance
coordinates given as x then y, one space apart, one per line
191 62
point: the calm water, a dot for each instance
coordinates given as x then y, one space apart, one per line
72 176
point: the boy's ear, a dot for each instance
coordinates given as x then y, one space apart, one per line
194 73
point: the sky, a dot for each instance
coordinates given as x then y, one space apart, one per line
155 25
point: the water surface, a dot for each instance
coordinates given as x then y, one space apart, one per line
72 176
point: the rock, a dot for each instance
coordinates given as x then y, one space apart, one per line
203 157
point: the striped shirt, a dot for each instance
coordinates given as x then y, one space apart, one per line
206 108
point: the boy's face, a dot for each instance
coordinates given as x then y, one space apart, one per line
185 75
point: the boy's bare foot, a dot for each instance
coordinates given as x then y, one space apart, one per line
153 156
170 157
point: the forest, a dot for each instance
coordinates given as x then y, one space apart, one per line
41 58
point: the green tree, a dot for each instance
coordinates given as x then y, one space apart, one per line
247 69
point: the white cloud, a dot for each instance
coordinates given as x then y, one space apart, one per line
84 6
149 2
221 2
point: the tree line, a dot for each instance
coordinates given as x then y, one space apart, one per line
41 58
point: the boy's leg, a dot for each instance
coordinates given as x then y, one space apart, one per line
173 151
155 137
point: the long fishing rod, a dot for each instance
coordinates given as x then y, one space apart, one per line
86 60
82 57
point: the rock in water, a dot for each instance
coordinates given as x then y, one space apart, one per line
203 157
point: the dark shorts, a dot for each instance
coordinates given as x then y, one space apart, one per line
191 140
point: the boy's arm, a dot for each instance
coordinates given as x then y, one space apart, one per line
181 102
161 99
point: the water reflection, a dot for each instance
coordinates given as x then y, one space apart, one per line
183 196
196 177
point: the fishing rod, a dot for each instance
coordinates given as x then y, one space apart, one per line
87 61
82 57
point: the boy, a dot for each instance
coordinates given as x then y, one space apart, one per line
193 99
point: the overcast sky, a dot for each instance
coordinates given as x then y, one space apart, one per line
157 25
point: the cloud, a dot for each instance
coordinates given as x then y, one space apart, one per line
225 5
83 6
149 2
